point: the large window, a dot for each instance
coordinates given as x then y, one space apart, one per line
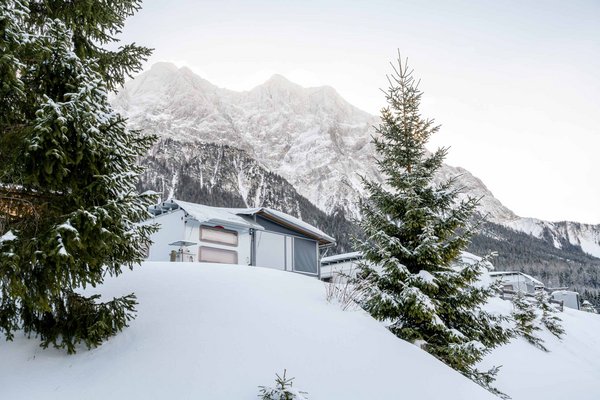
305 256
270 250
218 235
285 252
212 254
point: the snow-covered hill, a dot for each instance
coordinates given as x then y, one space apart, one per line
570 370
207 331
217 332
310 136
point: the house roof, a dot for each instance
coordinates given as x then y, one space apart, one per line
339 258
216 215
508 273
242 217
288 221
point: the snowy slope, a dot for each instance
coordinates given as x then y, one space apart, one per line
311 137
571 370
217 332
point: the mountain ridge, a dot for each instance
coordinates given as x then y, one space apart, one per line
312 137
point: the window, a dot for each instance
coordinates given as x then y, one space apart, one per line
270 250
305 256
212 254
218 235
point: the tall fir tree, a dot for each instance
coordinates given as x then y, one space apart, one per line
415 232
69 210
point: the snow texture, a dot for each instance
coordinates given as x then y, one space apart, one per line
570 370
217 332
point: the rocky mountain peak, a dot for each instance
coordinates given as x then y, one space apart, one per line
312 137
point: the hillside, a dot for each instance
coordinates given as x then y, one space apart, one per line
570 370
567 266
217 332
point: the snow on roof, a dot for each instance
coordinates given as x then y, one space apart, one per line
237 217
506 273
342 257
470 259
217 215
286 219
465 257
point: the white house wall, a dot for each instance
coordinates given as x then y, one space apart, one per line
339 271
171 228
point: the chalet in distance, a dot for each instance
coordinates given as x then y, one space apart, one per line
246 236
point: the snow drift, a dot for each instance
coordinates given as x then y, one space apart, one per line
207 331
218 332
570 370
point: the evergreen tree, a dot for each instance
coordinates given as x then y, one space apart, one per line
588 307
549 317
283 390
525 317
415 232
68 204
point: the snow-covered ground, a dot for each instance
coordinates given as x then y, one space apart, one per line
571 370
218 332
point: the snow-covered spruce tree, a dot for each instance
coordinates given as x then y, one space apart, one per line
93 24
67 199
549 317
588 307
283 390
525 317
416 281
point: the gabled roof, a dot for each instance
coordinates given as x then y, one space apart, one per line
216 215
243 217
288 221
339 258
517 273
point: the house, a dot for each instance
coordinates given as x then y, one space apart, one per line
340 266
246 236
514 281
568 298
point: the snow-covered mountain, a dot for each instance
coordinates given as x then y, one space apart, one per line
311 137
225 176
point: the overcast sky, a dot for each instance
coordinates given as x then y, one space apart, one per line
514 84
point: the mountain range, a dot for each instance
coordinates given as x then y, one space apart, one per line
236 143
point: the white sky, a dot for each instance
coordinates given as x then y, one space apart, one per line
515 86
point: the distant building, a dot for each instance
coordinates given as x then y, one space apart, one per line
517 281
344 265
568 298
339 264
247 236
513 281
